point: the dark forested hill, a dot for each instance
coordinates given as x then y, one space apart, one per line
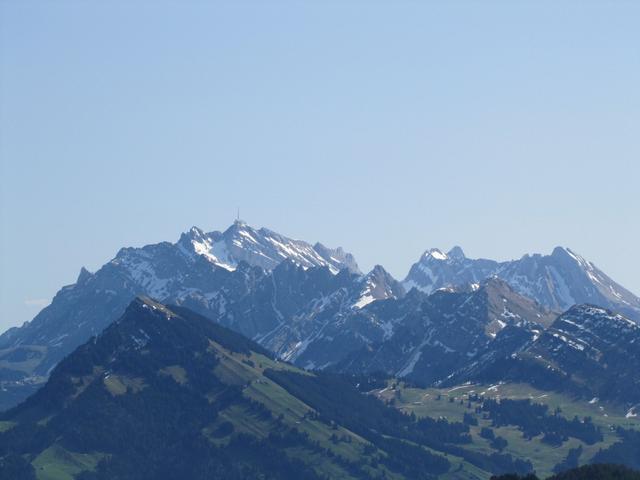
166 393
587 472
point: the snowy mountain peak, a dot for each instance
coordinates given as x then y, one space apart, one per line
338 255
560 251
240 229
196 232
192 237
239 222
565 252
456 253
378 270
378 284
260 247
557 281
197 242
434 254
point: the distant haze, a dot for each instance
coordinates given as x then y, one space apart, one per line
384 127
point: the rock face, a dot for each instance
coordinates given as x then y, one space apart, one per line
558 281
599 349
312 306
262 248
588 350
307 316
151 393
214 268
428 338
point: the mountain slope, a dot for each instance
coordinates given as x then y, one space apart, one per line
261 247
429 337
528 422
588 351
165 393
558 281
217 267
312 307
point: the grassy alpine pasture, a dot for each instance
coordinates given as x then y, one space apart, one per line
56 463
214 401
247 371
6 425
453 403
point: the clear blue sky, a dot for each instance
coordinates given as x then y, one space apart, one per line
385 127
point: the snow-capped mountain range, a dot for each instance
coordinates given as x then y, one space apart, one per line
217 269
311 305
558 281
262 248
198 263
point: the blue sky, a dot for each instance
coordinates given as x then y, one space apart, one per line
385 127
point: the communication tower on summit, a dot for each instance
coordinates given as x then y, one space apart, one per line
238 221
